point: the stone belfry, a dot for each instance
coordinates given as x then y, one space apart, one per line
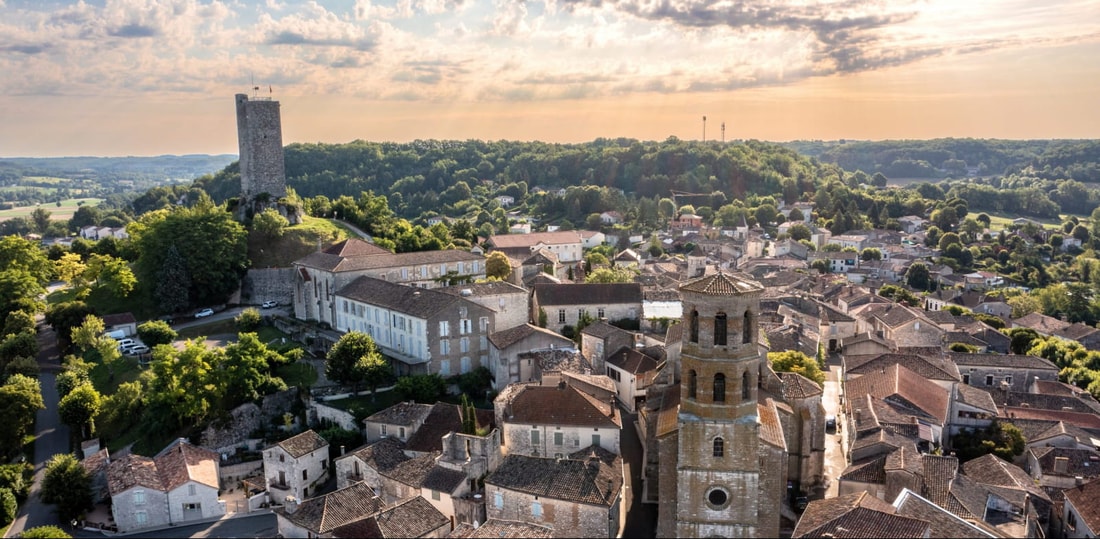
718 468
260 139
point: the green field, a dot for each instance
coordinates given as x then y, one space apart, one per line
63 212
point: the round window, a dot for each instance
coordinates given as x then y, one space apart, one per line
717 497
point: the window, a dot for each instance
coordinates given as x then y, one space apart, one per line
692 381
444 367
719 447
139 497
435 495
746 329
581 313
694 326
559 438
141 517
720 329
464 366
444 347
382 429
1008 379
498 500
483 342
561 316
305 475
534 437
282 457
462 311
600 313
345 302
966 379
464 345
595 439
717 498
989 379
719 387
536 509
576 442
191 489
401 433
444 328
483 324
746 386
464 326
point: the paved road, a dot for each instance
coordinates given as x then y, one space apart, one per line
253 525
52 438
835 460
641 518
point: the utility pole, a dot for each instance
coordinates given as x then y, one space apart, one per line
723 132
704 128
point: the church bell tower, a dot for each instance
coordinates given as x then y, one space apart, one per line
718 467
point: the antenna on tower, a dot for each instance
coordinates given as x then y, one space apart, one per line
723 132
252 79
704 128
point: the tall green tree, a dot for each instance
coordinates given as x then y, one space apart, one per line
245 369
497 265
154 332
355 359
797 362
20 400
67 485
183 385
270 224
79 407
918 276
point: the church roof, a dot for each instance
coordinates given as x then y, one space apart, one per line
723 284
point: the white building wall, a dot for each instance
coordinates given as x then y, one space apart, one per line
127 510
391 330
205 495
313 463
519 441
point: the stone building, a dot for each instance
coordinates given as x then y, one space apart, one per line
554 421
565 303
725 431
260 140
179 484
294 466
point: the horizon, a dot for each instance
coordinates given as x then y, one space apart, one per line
157 77
737 141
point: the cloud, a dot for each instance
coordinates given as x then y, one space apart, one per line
37 48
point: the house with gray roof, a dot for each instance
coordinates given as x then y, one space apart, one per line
857 515
179 484
425 330
551 421
565 303
1081 513
319 275
320 516
507 346
411 517
502 529
633 372
296 465
576 496
988 371
1062 467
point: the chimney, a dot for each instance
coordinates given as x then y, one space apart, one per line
291 505
342 450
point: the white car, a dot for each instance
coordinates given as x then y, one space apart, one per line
204 313
138 350
269 304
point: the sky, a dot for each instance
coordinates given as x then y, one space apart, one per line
151 77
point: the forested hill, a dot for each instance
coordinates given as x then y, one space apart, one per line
426 175
951 157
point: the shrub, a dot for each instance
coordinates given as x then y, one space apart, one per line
248 320
7 506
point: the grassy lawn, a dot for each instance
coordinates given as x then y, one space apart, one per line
126 370
216 327
297 374
297 241
361 406
64 211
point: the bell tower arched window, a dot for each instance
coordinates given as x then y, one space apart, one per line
694 326
746 389
692 387
719 447
746 329
720 329
719 387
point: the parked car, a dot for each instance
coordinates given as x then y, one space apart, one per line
138 350
830 423
124 344
269 304
204 313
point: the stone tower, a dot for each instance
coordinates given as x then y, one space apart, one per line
260 138
718 474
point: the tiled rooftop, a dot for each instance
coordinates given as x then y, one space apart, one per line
580 478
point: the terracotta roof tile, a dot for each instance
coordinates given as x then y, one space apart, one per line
443 419
1084 499
512 241
130 471
868 470
587 294
411 517
991 471
897 381
402 413
561 405
942 523
181 462
632 361
723 284
796 386
820 513
505 338
771 429
411 300
1015 361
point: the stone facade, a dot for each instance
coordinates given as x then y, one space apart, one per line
506 347
290 471
270 284
260 140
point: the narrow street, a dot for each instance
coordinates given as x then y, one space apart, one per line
52 437
640 520
835 460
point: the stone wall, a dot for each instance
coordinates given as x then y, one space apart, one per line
268 284
568 519
341 418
